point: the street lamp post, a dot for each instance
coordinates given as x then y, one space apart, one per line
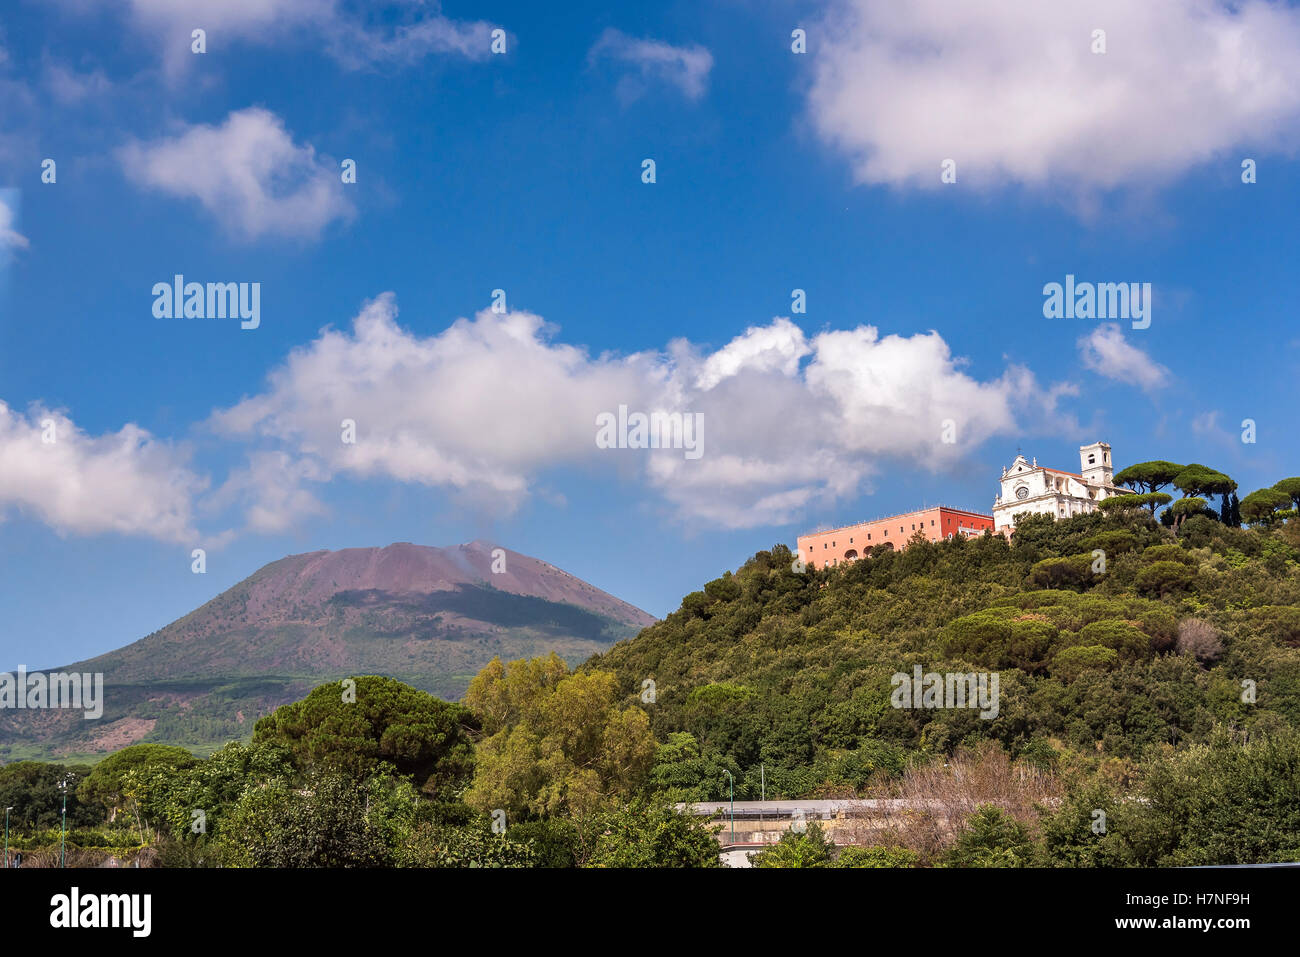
7 810
731 787
63 786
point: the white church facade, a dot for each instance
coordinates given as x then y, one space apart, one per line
1028 487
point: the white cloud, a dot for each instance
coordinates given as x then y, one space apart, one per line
478 408
686 68
397 32
270 491
781 438
248 173
24 118
490 404
1106 352
774 348
67 86
1011 90
126 482
356 45
239 17
1206 425
9 237
1218 436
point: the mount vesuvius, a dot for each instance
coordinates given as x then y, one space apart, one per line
431 617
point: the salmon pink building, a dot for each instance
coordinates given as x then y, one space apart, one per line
821 549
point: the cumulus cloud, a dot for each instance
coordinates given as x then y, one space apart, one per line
355 34
777 347
785 436
1106 352
247 173
355 44
69 86
126 482
10 238
652 61
1012 91
490 404
271 491
479 407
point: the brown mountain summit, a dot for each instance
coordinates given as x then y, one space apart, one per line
429 616
281 588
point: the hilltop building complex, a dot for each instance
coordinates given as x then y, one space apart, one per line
820 549
1030 487
1027 487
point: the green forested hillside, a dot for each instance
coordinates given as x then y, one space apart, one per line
790 668
1147 706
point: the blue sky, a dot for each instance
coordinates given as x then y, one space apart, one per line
522 171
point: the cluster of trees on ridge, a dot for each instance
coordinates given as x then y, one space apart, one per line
1199 483
1159 688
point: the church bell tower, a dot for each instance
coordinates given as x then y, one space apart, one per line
1095 465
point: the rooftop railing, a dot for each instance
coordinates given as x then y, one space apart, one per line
872 521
